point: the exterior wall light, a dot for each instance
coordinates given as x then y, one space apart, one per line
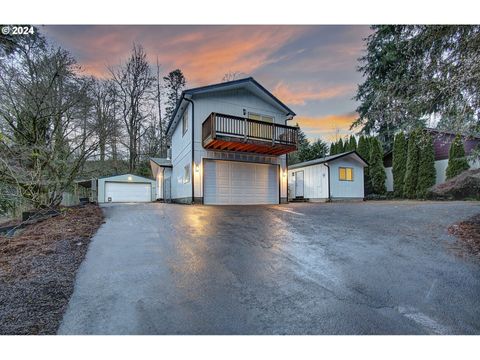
197 168
129 178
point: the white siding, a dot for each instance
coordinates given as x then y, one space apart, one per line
124 179
181 156
315 182
389 179
346 189
232 103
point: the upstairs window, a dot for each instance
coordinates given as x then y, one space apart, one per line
345 173
260 117
185 122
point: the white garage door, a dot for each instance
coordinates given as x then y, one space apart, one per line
127 192
230 182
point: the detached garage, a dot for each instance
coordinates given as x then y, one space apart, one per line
126 188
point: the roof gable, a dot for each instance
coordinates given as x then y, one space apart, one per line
249 84
352 154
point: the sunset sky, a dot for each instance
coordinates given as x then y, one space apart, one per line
310 68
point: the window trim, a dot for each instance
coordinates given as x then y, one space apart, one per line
186 174
185 122
346 177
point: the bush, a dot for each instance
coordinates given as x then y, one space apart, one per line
457 162
411 173
376 169
399 163
426 168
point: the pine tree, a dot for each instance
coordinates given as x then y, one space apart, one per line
426 169
340 146
318 149
352 144
363 148
376 169
332 149
411 173
457 162
303 149
399 163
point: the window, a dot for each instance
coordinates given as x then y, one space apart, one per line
345 174
260 117
186 174
185 122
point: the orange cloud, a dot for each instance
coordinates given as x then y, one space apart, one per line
204 54
328 128
302 93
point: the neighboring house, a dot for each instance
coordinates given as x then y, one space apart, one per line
441 142
336 177
229 145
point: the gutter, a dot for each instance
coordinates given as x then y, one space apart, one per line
192 171
328 167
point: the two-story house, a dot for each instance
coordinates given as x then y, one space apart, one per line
228 146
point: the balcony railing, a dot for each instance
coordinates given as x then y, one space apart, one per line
229 132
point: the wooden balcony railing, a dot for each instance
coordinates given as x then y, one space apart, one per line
270 137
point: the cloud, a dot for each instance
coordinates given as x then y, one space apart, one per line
329 127
304 92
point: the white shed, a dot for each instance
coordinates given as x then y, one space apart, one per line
336 177
126 188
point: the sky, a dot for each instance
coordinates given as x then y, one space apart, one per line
313 69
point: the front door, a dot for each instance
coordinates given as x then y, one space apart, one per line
299 184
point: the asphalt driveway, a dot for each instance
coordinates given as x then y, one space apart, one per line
338 268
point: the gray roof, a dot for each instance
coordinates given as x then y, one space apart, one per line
327 159
249 81
162 162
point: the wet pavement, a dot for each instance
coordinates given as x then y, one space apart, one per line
337 268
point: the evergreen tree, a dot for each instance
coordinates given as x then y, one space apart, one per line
352 144
303 149
363 148
457 162
318 149
174 85
399 163
411 173
340 146
426 168
376 169
332 148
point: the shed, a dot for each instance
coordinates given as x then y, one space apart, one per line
336 177
126 188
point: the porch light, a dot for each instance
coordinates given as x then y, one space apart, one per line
129 178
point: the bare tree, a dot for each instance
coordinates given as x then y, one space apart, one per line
134 83
44 107
174 84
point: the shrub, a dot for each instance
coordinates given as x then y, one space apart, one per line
457 162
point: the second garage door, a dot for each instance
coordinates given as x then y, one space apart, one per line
232 182
127 192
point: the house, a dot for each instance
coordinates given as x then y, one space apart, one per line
441 143
228 146
335 177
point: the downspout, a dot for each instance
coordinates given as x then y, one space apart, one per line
328 170
192 176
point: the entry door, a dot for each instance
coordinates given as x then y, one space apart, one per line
233 183
299 184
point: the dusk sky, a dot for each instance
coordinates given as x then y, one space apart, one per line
310 68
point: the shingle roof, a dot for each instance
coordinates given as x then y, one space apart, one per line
327 159
247 80
162 161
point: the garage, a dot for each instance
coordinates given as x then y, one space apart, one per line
126 188
240 183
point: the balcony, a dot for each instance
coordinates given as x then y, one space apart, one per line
228 132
